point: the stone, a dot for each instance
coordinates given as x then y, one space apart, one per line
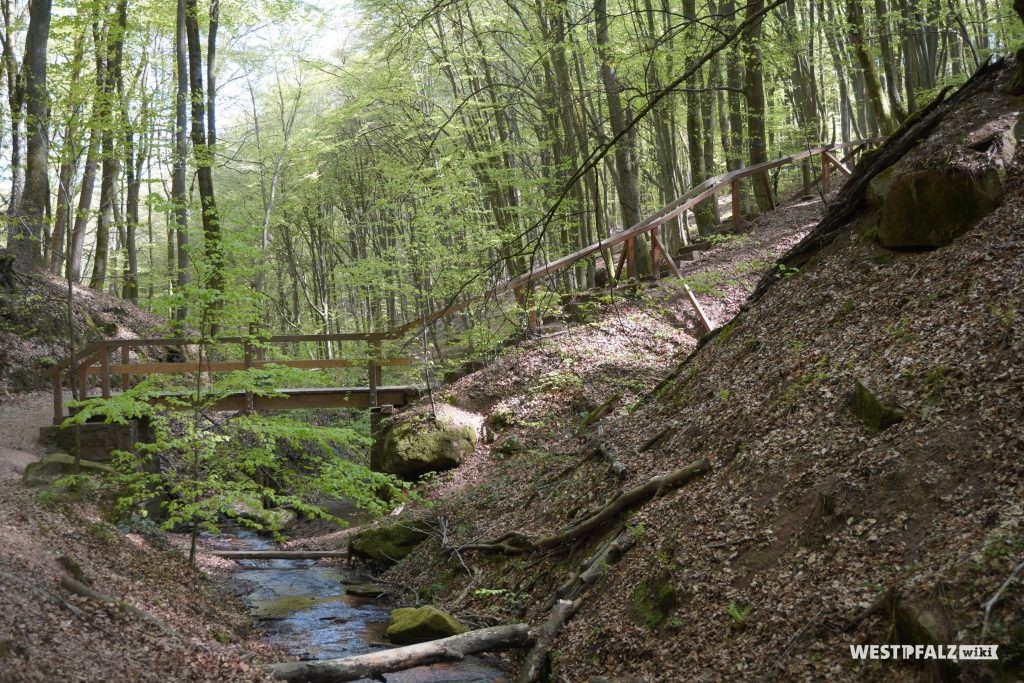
931 208
418 624
415 443
59 465
872 411
390 543
251 509
367 590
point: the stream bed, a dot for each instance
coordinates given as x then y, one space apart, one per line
302 608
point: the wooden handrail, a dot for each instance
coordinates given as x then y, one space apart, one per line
98 351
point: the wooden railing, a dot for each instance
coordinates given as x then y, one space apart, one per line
95 358
109 358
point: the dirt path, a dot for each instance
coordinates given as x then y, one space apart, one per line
21 416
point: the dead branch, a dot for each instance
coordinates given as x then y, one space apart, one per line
535 664
624 501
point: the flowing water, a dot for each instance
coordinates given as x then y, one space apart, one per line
302 607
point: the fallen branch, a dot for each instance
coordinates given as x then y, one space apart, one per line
614 464
535 664
79 588
626 500
991 602
374 664
634 497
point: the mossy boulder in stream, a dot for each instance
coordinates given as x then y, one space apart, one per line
419 624
251 509
388 543
416 442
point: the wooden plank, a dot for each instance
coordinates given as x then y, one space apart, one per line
737 216
227 366
705 321
296 399
838 164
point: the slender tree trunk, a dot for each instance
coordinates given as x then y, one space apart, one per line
202 150
626 164
32 214
753 88
179 197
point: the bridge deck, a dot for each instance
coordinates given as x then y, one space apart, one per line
295 399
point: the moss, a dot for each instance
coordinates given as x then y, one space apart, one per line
281 607
873 412
653 601
388 543
419 445
418 624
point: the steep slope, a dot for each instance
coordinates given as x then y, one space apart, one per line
813 530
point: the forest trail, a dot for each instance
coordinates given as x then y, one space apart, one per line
21 416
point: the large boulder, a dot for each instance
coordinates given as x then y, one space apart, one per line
58 465
415 442
389 543
419 624
932 207
251 509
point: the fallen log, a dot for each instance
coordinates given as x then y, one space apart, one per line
516 542
279 554
535 665
374 664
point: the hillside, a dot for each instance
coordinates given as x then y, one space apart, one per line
813 530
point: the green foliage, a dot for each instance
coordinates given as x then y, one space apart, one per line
210 468
739 615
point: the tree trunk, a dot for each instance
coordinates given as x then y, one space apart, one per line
374 664
753 88
32 213
876 95
202 150
179 197
626 165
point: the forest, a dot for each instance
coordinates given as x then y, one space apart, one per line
629 339
150 149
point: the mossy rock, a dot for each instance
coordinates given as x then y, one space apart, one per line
871 410
931 208
388 543
415 444
251 509
367 590
419 624
653 601
59 465
283 606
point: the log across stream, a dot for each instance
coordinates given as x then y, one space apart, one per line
301 607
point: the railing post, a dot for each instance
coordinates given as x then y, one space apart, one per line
58 399
105 371
373 371
655 255
248 365
631 257
125 357
531 300
826 171
737 218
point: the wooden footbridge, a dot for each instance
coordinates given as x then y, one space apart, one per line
112 359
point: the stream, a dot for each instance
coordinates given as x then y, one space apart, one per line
302 608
